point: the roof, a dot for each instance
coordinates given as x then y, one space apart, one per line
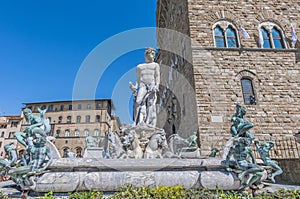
16 117
65 101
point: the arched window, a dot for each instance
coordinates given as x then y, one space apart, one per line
60 119
77 132
86 132
97 118
87 119
267 41
219 37
78 119
277 39
43 107
273 35
96 132
78 152
57 133
99 106
225 34
2 134
231 38
69 119
50 108
248 92
67 133
65 150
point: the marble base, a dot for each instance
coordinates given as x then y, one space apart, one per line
66 175
93 152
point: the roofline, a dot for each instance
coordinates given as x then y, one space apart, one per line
12 116
63 101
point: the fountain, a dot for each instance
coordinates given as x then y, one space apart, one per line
140 156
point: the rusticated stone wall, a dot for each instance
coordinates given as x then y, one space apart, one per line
217 72
177 111
276 86
203 14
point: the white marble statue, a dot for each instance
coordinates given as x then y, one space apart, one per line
145 90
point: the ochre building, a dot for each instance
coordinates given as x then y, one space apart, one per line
8 126
72 121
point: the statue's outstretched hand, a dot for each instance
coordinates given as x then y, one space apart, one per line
133 88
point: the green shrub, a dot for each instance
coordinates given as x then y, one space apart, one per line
48 195
176 192
162 192
86 195
2 196
287 194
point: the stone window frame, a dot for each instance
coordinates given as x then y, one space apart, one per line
97 132
89 106
87 119
60 119
69 119
97 119
269 26
98 106
78 119
86 132
58 131
78 150
76 133
64 149
67 133
224 24
50 108
247 74
252 93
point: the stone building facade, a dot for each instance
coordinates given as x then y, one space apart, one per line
8 125
72 121
224 68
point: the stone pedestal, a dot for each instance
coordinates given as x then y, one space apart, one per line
93 152
67 175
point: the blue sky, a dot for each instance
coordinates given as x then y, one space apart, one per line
44 43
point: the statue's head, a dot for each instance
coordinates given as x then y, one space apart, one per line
27 112
149 54
243 110
265 144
